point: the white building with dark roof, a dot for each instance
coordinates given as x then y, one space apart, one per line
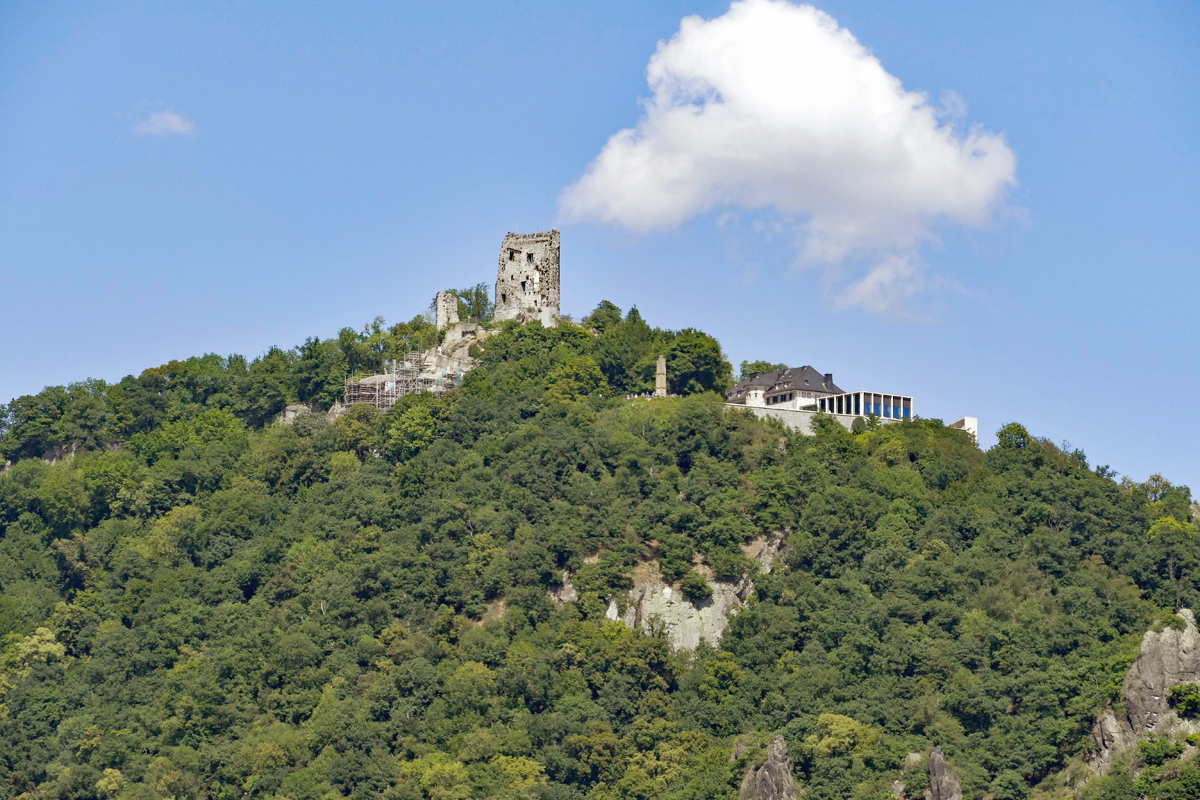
799 388
795 395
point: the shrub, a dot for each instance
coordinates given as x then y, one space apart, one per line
1155 750
1185 698
694 587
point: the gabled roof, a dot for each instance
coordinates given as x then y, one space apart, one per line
803 379
793 379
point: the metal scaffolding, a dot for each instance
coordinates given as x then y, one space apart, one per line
408 376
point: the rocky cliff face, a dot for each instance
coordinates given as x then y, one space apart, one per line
655 603
773 780
943 785
686 624
1167 658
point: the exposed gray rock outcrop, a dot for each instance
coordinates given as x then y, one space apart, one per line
655 603
289 414
943 785
774 779
566 592
1167 658
686 624
62 452
764 549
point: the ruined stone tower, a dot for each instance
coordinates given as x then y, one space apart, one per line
446 309
527 279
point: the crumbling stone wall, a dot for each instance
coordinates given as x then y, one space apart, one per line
527 278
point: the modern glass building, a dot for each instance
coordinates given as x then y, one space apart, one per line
863 404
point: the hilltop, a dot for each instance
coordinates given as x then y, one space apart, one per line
441 600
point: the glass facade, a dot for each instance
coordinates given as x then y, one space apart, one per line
886 406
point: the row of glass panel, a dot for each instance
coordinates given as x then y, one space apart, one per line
887 406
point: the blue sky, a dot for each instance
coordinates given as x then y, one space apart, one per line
328 163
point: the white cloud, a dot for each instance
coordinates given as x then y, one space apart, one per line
164 123
773 106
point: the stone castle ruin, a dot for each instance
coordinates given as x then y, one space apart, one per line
527 278
526 290
445 309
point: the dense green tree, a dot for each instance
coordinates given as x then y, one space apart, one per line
475 303
321 369
605 316
748 368
621 346
203 602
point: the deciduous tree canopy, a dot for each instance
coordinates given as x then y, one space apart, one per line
205 603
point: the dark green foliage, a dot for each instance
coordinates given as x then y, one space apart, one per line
1154 750
748 368
603 318
204 604
92 415
474 303
1185 698
622 346
695 587
695 364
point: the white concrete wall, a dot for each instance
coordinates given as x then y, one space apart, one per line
968 424
798 401
801 420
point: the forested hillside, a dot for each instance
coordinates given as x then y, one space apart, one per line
202 602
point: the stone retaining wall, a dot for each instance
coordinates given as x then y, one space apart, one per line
799 420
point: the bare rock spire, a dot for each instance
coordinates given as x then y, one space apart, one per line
773 780
943 785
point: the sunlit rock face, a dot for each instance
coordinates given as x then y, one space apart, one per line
656 605
1167 658
774 779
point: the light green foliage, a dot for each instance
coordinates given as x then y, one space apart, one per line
111 783
214 425
579 377
1175 543
722 677
204 603
1014 436
841 735
411 433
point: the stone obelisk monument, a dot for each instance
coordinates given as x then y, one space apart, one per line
660 377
